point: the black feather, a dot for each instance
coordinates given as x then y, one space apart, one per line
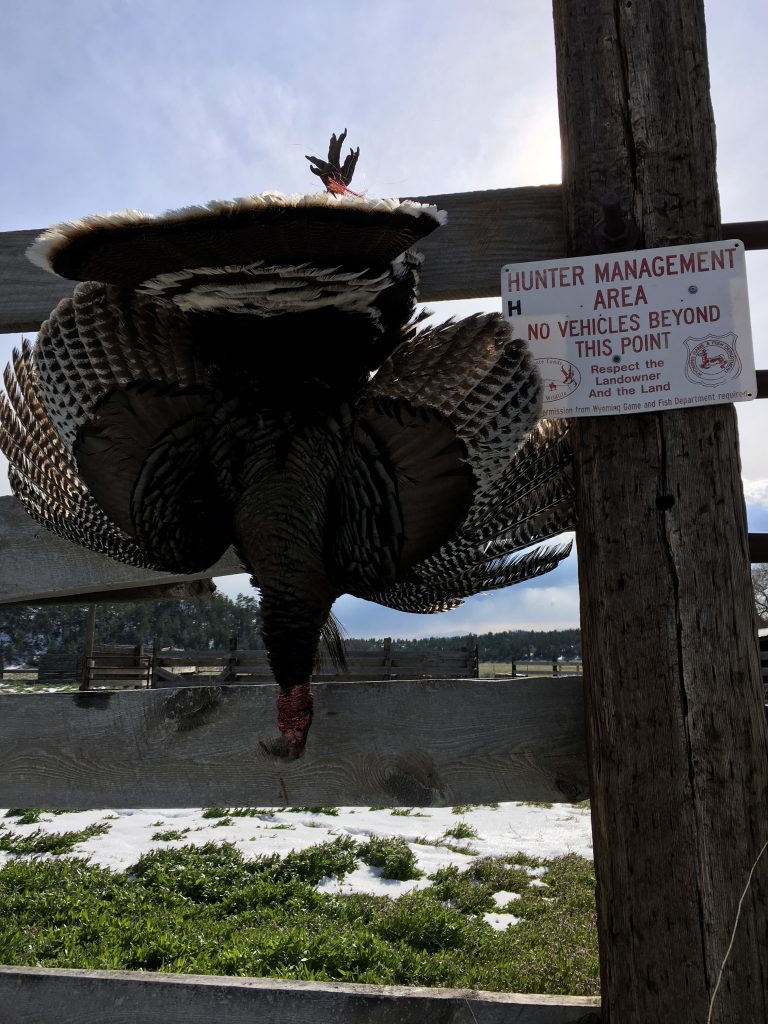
252 374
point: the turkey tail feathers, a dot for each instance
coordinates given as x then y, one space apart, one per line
281 230
334 637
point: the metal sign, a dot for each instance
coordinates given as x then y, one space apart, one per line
642 331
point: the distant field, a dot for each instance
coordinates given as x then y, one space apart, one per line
490 669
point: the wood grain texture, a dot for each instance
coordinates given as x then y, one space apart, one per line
36 564
27 293
678 761
402 742
485 231
31 995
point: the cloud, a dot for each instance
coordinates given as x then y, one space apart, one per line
520 607
756 492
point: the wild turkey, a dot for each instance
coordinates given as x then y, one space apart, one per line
251 373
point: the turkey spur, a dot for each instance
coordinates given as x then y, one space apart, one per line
251 373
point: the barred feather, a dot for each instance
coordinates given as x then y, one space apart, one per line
212 386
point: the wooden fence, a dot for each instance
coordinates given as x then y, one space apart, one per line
137 666
189 668
401 742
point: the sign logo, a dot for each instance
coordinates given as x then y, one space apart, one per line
712 360
559 378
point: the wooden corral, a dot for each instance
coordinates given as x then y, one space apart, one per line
137 665
662 752
184 668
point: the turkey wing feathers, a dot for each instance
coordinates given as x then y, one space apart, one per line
403 485
488 388
44 477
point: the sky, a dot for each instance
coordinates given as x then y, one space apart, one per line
114 104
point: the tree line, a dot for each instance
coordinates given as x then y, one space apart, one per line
510 645
27 632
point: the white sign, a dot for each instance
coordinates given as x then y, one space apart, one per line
642 331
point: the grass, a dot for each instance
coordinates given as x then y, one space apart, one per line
246 812
48 842
467 851
333 811
28 815
461 830
393 855
207 910
170 835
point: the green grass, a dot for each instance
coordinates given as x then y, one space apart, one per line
207 910
238 812
333 811
28 815
48 842
170 835
461 830
394 856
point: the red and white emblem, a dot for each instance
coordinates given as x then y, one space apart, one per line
712 360
559 378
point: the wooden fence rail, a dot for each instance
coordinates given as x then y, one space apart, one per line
403 742
185 668
30 995
485 230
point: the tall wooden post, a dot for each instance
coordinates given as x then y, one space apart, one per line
676 731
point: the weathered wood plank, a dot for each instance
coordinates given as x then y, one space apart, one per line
35 995
189 590
35 565
27 293
404 742
484 231
464 258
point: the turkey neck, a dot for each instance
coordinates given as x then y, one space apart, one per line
279 526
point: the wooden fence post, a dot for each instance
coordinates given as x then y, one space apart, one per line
473 657
387 660
89 631
675 724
